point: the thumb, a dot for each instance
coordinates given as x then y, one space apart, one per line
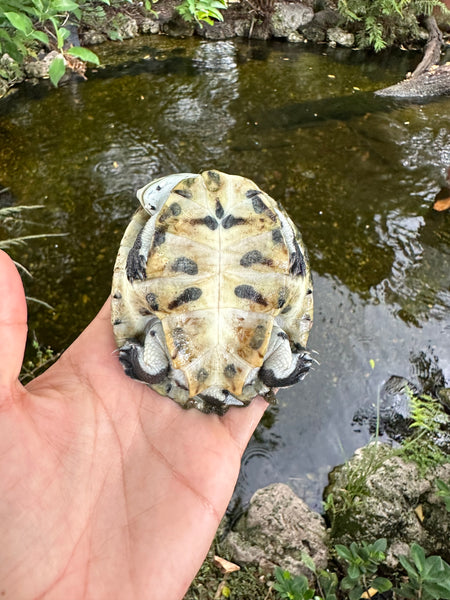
13 321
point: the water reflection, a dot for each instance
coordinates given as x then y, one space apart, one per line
359 176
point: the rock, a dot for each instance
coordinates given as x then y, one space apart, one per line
92 38
316 30
149 25
339 37
4 87
127 28
288 17
277 528
389 492
224 30
39 67
295 38
176 26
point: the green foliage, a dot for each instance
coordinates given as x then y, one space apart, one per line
428 578
443 492
326 582
385 21
26 25
292 587
202 10
428 419
344 500
42 358
363 561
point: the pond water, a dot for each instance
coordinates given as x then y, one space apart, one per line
357 174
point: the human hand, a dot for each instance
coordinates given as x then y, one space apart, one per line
107 490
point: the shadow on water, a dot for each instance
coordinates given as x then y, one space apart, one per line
315 113
358 174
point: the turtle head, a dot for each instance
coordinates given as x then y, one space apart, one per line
154 195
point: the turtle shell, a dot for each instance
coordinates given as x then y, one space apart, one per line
217 272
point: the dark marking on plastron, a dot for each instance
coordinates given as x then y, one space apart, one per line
258 204
258 337
231 221
229 371
254 257
282 297
286 309
277 236
144 311
117 296
297 264
183 193
202 375
179 338
188 295
214 181
136 262
152 301
283 335
252 193
175 209
309 292
185 265
248 292
159 237
209 221
219 209
117 322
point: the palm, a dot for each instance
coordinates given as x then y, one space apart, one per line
106 489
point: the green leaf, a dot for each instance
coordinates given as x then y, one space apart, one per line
356 593
343 552
418 556
20 22
439 591
41 36
308 562
84 54
381 584
353 572
64 5
56 70
409 568
380 545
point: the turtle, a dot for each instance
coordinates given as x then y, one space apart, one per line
212 298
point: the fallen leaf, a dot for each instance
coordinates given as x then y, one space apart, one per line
225 565
419 512
370 593
441 205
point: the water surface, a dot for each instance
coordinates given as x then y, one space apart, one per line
357 174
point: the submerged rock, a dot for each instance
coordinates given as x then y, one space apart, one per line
277 528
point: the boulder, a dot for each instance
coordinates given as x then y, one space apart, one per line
288 17
277 528
389 498
339 37
39 67
316 30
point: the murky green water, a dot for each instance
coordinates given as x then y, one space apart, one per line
358 175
